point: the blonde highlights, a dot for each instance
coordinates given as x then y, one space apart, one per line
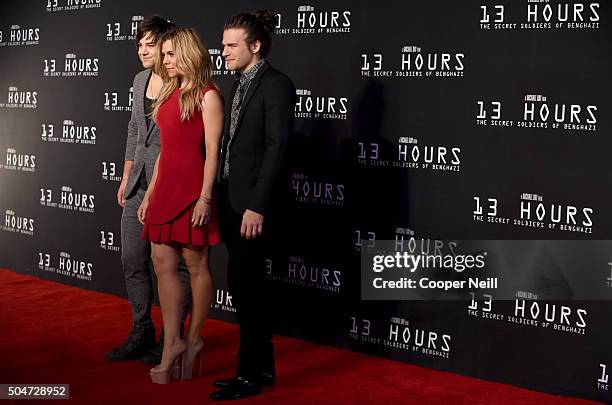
194 66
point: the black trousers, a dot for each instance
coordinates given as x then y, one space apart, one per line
246 281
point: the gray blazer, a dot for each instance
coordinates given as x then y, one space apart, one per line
142 144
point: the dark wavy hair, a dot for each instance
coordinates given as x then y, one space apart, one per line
154 24
259 26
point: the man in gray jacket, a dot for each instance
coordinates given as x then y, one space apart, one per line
142 148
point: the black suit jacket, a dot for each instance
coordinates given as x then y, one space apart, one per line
258 151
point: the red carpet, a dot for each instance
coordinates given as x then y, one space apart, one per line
52 333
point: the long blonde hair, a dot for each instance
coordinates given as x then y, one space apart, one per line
195 66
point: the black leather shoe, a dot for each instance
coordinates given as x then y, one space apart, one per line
268 379
139 341
239 389
154 355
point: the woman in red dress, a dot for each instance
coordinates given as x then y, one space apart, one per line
178 210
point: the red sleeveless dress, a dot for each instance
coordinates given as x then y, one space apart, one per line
180 173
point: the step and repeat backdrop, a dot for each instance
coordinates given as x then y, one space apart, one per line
423 123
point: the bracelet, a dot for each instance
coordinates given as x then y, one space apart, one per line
204 199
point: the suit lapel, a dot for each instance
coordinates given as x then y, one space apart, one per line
226 128
228 116
150 131
247 97
139 101
152 124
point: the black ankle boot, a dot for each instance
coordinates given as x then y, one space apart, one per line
154 354
139 341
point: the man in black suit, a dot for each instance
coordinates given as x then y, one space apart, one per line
259 118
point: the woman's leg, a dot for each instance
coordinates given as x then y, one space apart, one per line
165 260
196 259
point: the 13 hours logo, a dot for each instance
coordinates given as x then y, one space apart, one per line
18 36
539 112
417 340
71 133
410 154
406 241
80 269
20 98
311 21
18 224
114 30
109 172
482 307
69 200
364 239
532 313
369 154
309 106
312 191
107 241
303 274
415 62
361 330
542 15
19 161
73 67
560 317
112 101
535 213
71 5
66 266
